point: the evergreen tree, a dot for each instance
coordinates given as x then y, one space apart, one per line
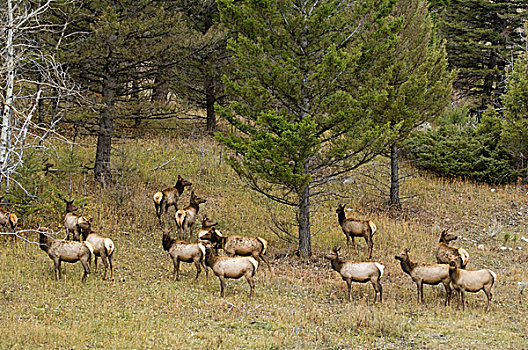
117 57
482 36
515 136
415 79
301 88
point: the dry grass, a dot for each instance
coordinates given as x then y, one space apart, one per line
301 304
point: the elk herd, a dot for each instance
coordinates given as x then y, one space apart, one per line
242 255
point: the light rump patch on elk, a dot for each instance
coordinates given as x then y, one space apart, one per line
445 253
356 228
357 272
8 220
185 218
472 281
68 251
163 200
422 273
184 251
102 247
232 267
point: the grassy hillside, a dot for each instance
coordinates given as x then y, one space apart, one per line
300 304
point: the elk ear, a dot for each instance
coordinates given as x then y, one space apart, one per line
407 250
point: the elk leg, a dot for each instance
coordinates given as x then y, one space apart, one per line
370 245
448 293
354 244
176 273
489 295
198 269
251 283
86 270
206 270
222 286
463 300
105 263
111 267
57 263
377 289
349 286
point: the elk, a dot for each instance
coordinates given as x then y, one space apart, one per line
425 274
356 228
68 251
163 200
357 272
236 245
8 220
103 247
185 218
186 252
72 221
471 281
231 267
446 253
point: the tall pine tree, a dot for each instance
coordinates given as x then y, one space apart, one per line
482 37
300 89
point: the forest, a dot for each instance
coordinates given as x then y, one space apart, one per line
282 122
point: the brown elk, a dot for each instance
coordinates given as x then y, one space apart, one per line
357 272
103 247
72 221
163 200
445 253
425 274
186 217
236 245
232 267
68 251
471 281
356 228
8 220
186 252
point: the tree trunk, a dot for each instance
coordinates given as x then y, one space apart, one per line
161 86
303 218
395 178
104 136
210 100
7 106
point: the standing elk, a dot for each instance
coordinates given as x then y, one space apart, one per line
72 221
471 281
103 247
232 267
356 228
185 218
236 245
68 251
357 272
8 220
186 252
425 274
163 200
445 253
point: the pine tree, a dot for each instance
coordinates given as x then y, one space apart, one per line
415 79
515 136
482 36
301 87
117 58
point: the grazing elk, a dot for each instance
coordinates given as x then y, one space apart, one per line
163 200
236 245
72 221
357 272
356 228
425 274
103 247
232 267
186 252
68 251
185 218
471 281
445 253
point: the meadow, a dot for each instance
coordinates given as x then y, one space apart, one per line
301 303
